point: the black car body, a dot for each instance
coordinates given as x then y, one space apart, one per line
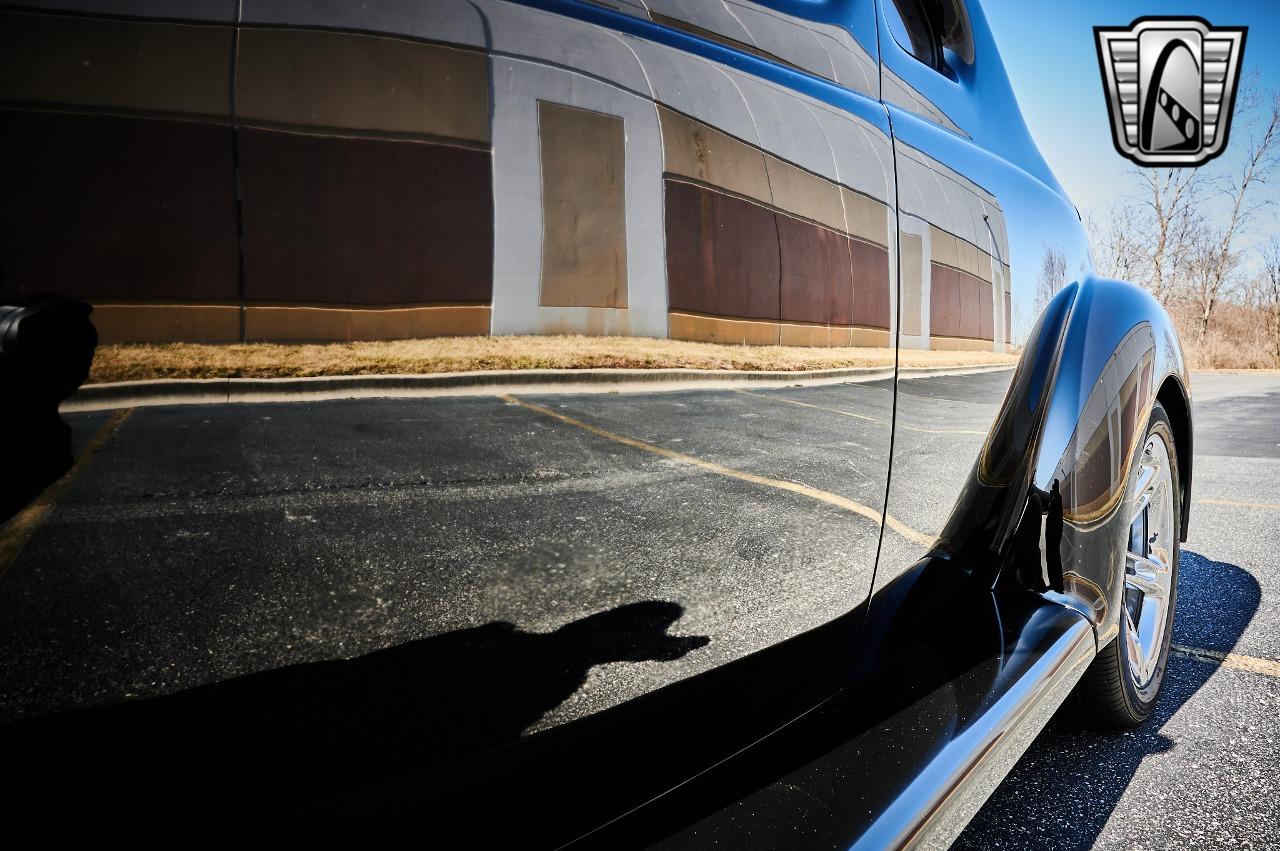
795 172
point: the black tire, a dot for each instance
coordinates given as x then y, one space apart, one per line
1107 694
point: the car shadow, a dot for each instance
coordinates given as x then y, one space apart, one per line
1066 786
240 749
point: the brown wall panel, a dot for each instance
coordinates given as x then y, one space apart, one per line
960 305
816 282
364 82
722 254
584 211
870 285
986 312
363 221
944 301
969 300
113 207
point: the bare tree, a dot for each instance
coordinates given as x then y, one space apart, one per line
1180 235
1053 276
1170 197
1266 293
1208 272
1118 243
1215 266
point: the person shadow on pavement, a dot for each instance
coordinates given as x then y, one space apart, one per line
295 735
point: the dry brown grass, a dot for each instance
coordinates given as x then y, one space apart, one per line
467 354
1237 338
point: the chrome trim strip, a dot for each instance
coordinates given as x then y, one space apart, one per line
942 799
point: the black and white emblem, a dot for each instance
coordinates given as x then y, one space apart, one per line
1171 85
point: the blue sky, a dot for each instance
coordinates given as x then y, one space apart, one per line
1049 51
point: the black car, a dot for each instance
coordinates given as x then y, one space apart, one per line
750 615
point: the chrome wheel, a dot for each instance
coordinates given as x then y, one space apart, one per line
1149 563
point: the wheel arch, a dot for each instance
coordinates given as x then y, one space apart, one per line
1176 400
1119 355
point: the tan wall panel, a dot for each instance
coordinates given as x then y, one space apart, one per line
693 149
986 311
959 344
984 265
166 323
873 338
912 250
812 335
121 64
398 323
713 329
943 247
967 257
832 336
584 216
363 82
803 194
865 218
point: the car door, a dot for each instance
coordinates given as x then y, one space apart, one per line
961 654
704 171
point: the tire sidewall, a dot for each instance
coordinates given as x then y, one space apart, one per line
1142 703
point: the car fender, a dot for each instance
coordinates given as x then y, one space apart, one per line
1118 355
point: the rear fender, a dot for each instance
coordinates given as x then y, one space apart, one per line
1043 507
1119 354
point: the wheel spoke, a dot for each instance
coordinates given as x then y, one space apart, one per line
1147 474
1137 662
1146 575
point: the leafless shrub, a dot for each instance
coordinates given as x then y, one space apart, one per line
1180 236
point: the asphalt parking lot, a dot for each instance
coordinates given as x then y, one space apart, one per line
202 543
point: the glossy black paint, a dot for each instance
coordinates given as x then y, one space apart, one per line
851 730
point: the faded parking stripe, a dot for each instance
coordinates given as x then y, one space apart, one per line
773 398
1235 661
1235 503
836 500
15 534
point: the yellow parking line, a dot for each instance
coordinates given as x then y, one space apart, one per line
15 534
1236 661
1237 504
815 407
710 466
860 416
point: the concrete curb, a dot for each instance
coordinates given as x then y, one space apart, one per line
132 394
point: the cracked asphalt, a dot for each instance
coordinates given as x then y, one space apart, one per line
205 543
